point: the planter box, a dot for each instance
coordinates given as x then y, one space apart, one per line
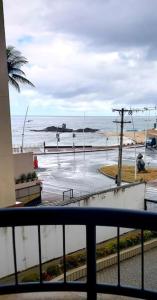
26 184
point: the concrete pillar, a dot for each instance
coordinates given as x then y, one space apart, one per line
7 186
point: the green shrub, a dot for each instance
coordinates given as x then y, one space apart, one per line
23 177
17 181
130 242
29 176
111 247
122 244
82 258
33 277
137 238
74 260
154 234
100 252
71 262
34 175
54 270
106 248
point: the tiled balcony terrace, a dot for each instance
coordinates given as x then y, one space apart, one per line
60 296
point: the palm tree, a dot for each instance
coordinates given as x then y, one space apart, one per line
15 61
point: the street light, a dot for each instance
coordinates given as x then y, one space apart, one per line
73 135
58 139
23 131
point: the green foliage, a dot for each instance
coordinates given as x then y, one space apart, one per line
33 277
29 176
154 234
71 262
17 180
14 63
111 247
23 178
34 175
104 249
101 252
54 270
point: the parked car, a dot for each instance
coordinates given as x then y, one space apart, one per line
151 142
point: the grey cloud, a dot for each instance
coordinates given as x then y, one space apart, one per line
126 27
107 23
148 99
69 93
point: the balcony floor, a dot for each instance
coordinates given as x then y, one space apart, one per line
60 296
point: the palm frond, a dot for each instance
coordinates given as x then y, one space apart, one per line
16 71
14 83
15 61
22 79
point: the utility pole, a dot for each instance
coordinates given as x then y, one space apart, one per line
122 122
122 111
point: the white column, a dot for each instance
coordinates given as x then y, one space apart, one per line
7 186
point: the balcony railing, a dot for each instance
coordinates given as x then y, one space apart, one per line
90 217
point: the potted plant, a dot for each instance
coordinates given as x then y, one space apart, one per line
23 178
29 177
17 180
34 176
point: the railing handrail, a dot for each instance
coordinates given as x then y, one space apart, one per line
77 215
90 217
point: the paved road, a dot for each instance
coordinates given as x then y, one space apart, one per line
80 171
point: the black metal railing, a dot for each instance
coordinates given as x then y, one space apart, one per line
68 194
148 203
90 217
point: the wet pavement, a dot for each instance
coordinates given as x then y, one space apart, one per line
130 272
73 171
79 171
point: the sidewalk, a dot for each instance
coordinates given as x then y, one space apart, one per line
55 150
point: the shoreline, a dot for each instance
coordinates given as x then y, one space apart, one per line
137 137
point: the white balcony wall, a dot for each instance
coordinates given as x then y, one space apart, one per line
51 236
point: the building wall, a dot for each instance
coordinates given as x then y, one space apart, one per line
131 197
7 189
23 164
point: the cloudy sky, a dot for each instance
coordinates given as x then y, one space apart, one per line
84 55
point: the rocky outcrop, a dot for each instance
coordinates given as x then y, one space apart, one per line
64 129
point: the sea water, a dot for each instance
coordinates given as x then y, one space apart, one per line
105 125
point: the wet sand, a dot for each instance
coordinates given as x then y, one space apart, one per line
136 136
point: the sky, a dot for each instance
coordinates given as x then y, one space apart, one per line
85 56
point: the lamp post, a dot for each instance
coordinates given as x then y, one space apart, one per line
58 139
23 130
84 134
73 135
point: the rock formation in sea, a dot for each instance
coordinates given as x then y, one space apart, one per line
65 129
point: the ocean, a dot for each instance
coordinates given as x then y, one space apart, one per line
103 123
